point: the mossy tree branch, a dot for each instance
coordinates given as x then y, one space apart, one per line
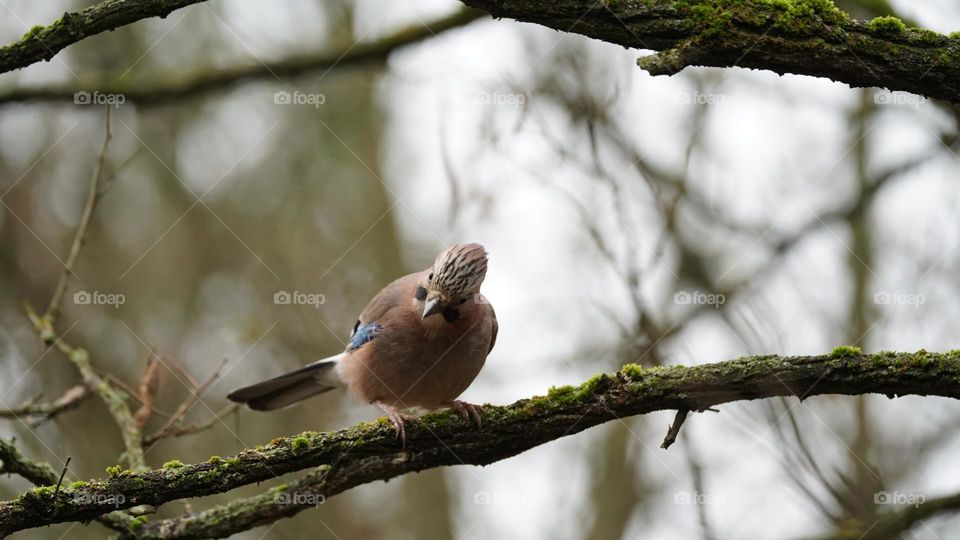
13 462
44 42
369 452
804 37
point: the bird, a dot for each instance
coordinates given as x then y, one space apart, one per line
418 344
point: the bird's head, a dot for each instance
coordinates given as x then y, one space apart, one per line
454 279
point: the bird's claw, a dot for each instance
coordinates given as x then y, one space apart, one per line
398 419
467 411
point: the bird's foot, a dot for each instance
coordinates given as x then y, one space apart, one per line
398 419
467 411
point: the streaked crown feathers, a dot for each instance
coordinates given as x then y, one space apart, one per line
459 270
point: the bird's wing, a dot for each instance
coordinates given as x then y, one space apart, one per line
493 331
389 297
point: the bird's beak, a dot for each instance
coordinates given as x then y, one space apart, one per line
432 306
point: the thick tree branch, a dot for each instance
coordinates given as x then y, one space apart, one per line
44 42
42 474
174 89
369 452
805 37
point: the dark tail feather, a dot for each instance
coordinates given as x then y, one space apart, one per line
289 388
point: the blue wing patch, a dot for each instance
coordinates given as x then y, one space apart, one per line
362 334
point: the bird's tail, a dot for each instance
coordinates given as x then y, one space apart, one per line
292 387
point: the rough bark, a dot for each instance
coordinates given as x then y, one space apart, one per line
369 452
804 37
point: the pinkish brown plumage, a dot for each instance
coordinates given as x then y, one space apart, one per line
419 343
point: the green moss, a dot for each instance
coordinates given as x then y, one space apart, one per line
114 470
805 16
173 464
923 36
138 522
280 488
954 35
232 462
886 25
632 371
593 384
555 392
43 491
299 443
33 32
845 351
78 484
214 459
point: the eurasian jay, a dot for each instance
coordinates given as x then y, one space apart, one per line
419 343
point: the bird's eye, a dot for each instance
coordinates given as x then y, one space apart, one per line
430 277
461 302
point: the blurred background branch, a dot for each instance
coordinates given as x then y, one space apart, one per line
173 88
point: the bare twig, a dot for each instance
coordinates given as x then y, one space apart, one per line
53 310
63 473
674 429
190 429
185 407
113 397
36 412
149 383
